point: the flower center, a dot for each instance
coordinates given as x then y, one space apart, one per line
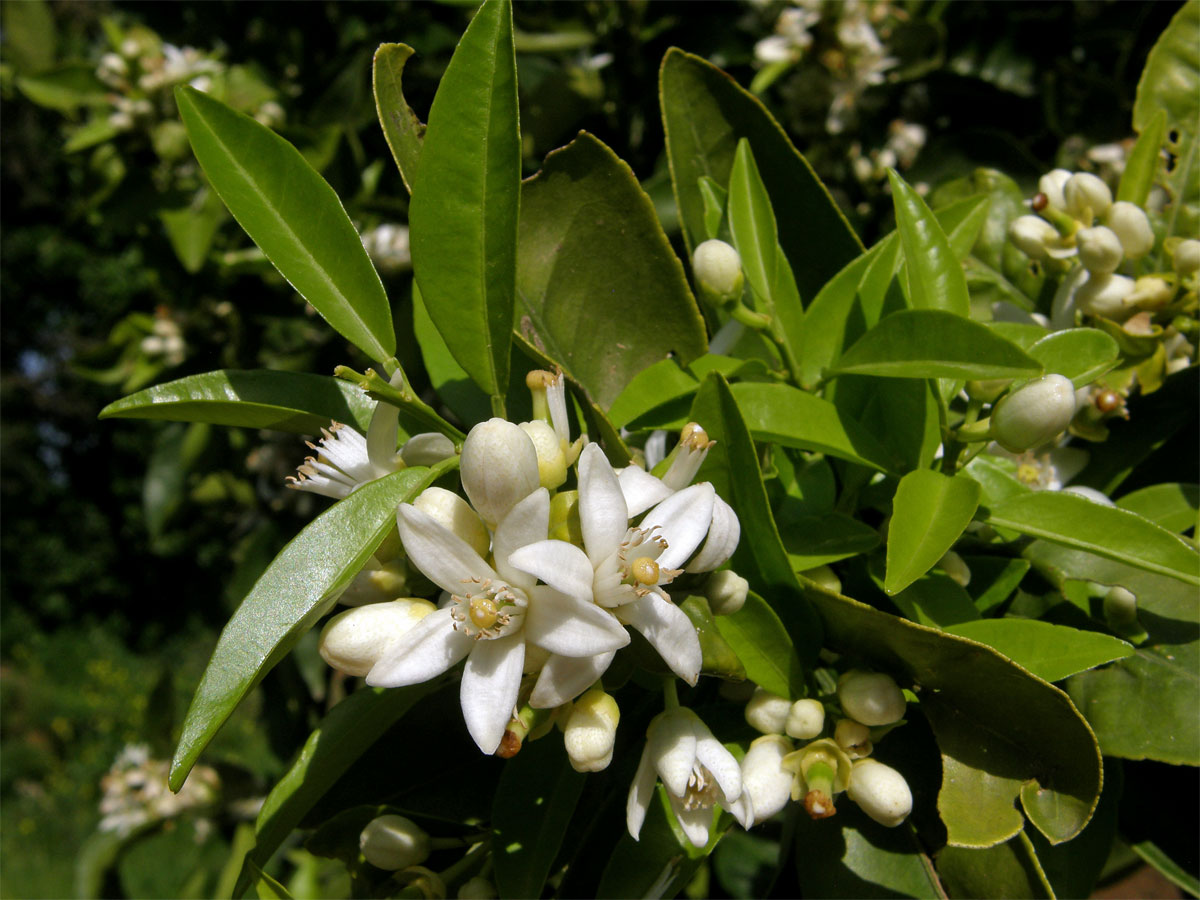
644 570
701 789
483 612
493 610
1027 473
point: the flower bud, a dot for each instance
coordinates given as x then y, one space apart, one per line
552 461
806 719
726 592
1088 493
764 778
426 449
1030 416
1087 197
1106 296
767 712
499 468
1187 257
454 514
724 532
718 270
1120 607
825 577
880 791
1051 184
564 518
394 842
376 583
477 888
1099 250
853 737
1032 235
1131 226
591 730
354 640
873 698
955 567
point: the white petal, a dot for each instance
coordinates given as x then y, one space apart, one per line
669 629
683 520
445 558
672 740
564 678
719 761
603 515
381 438
723 536
571 627
695 822
561 565
526 523
490 683
641 489
428 650
640 793
743 810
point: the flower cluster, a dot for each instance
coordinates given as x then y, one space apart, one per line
136 793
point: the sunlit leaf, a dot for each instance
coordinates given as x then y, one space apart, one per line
929 513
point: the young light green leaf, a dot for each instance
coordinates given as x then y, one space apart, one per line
713 195
1145 161
465 200
936 600
935 275
402 129
928 343
1081 354
1112 533
295 590
762 644
1052 652
192 228
294 216
257 398
929 513
656 384
450 381
1173 506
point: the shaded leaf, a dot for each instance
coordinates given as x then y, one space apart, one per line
936 600
764 647
813 541
1173 506
1007 870
656 384
1081 354
1052 652
402 129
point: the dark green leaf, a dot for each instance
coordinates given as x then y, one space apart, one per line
601 322
929 513
717 656
762 644
453 385
1172 506
1051 652
713 195
294 216
904 414
465 198
813 541
1010 869
935 275
260 398
294 592
1081 354
1167 867
993 579
402 128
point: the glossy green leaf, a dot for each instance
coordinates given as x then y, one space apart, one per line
534 802
732 467
717 655
294 216
705 113
772 284
656 384
813 541
935 275
929 513
1113 533
191 229
999 728
904 414
936 600
257 398
927 343
1051 652
713 196
993 579
1171 506
1081 354
342 737
762 644
1145 160
465 199
290 596
1007 870
601 322
451 382
402 129
962 221
796 418
997 477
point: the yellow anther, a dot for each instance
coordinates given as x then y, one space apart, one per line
539 378
644 570
693 436
1028 473
483 612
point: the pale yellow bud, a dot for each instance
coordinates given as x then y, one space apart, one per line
1099 249
726 591
1130 224
1187 257
880 791
853 737
354 640
394 842
1087 197
1030 416
552 460
591 730
454 514
806 719
872 698
499 468
768 712
718 270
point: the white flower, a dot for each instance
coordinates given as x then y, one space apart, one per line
1047 470
591 730
697 771
499 468
872 698
764 780
493 613
880 791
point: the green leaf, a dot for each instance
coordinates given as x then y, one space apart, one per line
796 418
772 284
935 275
176 450
705 113
1051 652
64 88
1105 531
762 644
291 595
927 343
1081 354
904 414
1145 159
1171 506
813 541
256 398
993 579
29 35
294 216
1167 867
342 737
402 129
998 727
601 322
732 467
929 513
191 229
717 656
534 802
653 386
713 195
452 384
936 600
1010 869
465 200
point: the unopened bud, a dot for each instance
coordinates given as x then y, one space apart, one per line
872 698
726 592
1030 416
1120 607
718 270
1105 296
763 776
1187 257
454 514
1150 292
1130 224
1087 197
1051 186
552 460
853 737
394 842
591 730
955 567
354 640
499 468
880 791
767 712
426 449
806 719
477 888
376 583
1032 235
1099 250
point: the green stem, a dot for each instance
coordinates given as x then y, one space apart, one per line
670 694
969 433
498 406
379 388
